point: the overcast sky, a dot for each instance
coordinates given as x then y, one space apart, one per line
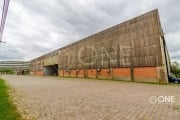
35 27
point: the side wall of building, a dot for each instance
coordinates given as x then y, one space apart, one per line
132 51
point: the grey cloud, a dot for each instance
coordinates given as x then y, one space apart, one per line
45 25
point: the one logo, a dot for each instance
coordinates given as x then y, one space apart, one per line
161 99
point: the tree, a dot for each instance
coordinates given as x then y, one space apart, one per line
175 68
6 71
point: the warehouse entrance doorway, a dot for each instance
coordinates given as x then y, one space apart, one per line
51 70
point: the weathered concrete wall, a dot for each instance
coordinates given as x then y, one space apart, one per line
132 50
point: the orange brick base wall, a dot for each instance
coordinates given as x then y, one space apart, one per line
91 73
146 74
122 73
143 74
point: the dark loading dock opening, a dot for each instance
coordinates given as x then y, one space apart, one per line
51 70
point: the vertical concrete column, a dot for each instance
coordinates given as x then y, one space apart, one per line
162 71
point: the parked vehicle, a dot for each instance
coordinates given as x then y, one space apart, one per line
173 79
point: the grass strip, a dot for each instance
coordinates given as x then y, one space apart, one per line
8 111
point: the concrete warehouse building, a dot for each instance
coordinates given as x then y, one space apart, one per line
134 50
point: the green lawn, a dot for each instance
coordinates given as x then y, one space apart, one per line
7 109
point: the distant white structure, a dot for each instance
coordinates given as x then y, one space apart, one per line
17 66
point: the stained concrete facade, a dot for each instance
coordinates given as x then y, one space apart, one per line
134 50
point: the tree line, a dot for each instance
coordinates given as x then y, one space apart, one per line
6 71
175 68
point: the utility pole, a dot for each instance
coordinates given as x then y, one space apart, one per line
3 18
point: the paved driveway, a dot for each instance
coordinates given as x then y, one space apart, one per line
52 98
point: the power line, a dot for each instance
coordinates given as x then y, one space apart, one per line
3 18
